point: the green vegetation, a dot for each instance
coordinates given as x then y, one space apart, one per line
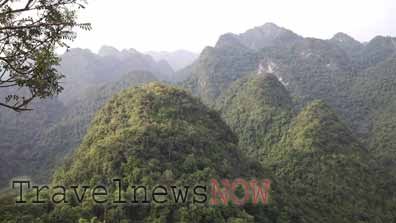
356 80
156 123
314 116
258 109
322 170
218 67
27 57
327 172
152 135
53 130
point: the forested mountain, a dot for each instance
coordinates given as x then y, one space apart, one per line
355 79
84 68
59 139
268 35
376 87
377 50
328 175
177 60
32 143
346 74
153 135
351 46
325 173
217 67
258 109
314 116
20 133
232 58
35 142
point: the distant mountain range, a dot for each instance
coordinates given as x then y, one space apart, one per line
84 68
315 116
332 70
177 60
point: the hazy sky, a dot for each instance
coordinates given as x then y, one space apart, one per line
193 24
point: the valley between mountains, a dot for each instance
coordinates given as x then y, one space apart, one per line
314 116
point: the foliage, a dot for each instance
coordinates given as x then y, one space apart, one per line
258 109
149 135
30 31
327 173
333 161
152 123
53 130
218 67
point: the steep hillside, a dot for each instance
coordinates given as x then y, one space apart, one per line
152 122
84 69
258 109
152 135
353 78
233 57
268 35
324 172
294 59
218 67
52 130
327 172
331 160
18 134
351 46
376 51
376 86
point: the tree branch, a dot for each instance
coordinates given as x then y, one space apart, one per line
10 85
33 8
15 108
27 43
36 26
4 2
28 4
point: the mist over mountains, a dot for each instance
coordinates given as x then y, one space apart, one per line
177 60
84 68
316 116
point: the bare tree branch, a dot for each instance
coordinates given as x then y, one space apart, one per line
17 109
4 2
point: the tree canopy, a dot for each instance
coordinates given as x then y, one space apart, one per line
30 31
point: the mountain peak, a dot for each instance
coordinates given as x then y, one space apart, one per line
108 51
318 128
141 123
268 35
258 109
382 42
263 87
348 44
343 37
131 51
269 26
228 40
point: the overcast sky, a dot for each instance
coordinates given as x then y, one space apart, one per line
193 24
